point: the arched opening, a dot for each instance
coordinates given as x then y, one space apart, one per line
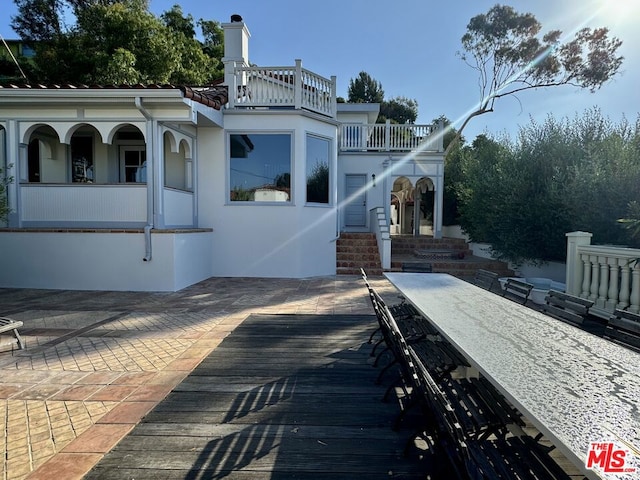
45 157
177 168
128 155
402 205
425 202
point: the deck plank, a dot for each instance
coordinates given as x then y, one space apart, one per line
283 397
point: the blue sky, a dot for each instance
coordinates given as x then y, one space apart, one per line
410 47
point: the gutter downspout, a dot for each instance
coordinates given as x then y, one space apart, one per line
150 185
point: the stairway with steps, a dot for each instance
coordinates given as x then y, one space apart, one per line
446 255
356 251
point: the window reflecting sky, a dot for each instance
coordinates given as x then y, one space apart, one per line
258 159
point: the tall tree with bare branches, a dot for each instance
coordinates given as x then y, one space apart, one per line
510 55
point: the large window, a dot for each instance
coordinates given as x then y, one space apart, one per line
318 150
260 167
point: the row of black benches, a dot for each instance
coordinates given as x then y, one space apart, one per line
467 422
622 327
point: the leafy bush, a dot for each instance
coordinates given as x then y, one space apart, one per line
523 197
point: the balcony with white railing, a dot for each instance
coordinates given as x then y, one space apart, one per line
609 276
282 87
388 137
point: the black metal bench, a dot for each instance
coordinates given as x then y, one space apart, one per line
568 308
470 455
485 279
623 327
9 325
517 290
417 267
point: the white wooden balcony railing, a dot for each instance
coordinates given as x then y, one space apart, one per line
388 137
283 87
610 276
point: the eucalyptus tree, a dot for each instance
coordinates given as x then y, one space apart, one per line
510 55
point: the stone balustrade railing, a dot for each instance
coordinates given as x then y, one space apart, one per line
610 276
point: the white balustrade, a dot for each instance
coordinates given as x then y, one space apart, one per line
390 137
610 276
292 87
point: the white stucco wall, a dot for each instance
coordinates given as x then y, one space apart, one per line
104 261
367 165
289 240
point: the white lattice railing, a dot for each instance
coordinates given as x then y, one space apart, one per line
390 137
610 276
293 87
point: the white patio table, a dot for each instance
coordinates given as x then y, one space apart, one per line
575 387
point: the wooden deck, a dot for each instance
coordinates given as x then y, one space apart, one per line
283 397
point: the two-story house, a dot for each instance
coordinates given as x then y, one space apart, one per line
159 187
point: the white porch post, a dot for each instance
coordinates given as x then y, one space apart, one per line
417 195
386 191
297 85
13 152
438 206
575 264
157 147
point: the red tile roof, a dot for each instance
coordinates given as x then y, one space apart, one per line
213 96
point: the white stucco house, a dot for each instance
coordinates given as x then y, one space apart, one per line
158 187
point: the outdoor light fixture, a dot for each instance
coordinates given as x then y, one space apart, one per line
373 179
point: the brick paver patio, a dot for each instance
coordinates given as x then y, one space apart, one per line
97 362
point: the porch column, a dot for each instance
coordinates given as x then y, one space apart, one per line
387 184
438 202
417 196
157 178
15 154
575 265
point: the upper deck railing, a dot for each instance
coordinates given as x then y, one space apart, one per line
388 137
283 87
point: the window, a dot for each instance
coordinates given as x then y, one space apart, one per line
133 164
260 167
318 151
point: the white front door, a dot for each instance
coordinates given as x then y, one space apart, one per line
355 212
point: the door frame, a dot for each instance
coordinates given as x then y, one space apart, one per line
365 226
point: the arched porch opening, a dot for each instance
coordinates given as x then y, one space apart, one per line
401 211
424 203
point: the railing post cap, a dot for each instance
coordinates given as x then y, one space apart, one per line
579 234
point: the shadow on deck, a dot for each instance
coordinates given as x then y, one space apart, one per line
283 397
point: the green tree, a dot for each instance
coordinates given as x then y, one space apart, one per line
399 109
113 42
365 89
37 20
559 176
509 55
453 174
